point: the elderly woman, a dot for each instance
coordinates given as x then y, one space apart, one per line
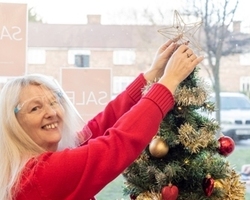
47 152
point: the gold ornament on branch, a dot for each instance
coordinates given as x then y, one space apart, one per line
184 31
158 147
210 106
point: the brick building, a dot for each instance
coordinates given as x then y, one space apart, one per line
126 49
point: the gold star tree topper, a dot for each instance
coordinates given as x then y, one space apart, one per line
184 31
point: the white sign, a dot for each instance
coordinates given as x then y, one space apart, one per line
88 89
13 21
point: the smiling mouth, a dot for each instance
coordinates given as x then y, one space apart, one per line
50 126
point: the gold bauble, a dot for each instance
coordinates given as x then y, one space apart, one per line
158 147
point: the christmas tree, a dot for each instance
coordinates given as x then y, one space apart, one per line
186 160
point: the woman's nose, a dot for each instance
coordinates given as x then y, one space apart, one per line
49 110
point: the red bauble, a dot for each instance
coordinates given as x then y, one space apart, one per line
169 192
208 185
132 197
227 145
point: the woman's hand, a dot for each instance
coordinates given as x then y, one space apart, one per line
180 65
162 56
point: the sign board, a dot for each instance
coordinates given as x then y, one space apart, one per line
88 89
13 41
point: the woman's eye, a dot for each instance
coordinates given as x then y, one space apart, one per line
35 108
53 103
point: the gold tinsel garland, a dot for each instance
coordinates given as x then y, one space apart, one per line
149 196
194 140
185 96
233 187
192 96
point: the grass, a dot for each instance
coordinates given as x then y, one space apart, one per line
239 157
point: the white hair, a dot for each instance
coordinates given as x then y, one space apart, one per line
16 147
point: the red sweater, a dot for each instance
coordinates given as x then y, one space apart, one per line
120 133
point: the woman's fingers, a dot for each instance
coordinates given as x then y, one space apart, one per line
169 42
197 60
177 38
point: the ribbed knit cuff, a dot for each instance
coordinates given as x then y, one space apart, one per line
135 88
159 94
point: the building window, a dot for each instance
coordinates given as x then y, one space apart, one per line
245 84
82 60
124 57
245 59
120 83
36 56
79 58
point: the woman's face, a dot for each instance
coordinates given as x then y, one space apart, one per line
40 114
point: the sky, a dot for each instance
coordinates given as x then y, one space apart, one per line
75 11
